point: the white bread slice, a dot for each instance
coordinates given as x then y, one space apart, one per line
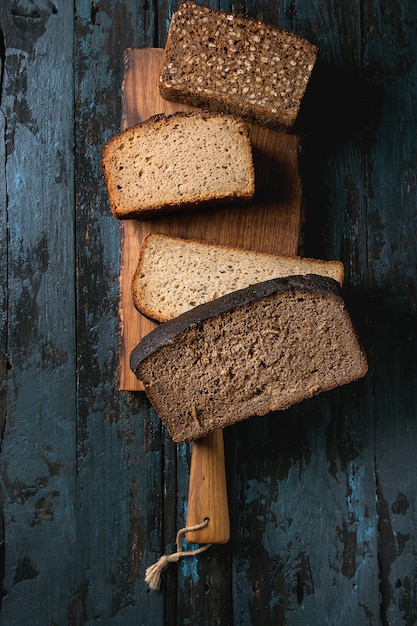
178 161
174 274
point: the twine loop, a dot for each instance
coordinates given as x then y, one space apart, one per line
153 572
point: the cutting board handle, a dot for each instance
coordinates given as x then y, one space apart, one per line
207 493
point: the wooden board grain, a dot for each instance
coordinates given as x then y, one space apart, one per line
270 223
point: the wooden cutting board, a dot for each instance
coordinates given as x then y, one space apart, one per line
270 223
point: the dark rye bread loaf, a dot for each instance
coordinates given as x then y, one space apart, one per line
232 63
250 352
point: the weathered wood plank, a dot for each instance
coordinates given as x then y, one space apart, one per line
370 218
390 60
3 311
120 443
38 448
323 505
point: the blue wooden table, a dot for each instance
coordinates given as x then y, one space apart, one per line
323 498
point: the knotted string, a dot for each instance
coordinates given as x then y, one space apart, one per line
153 572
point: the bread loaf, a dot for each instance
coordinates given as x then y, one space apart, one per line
233 63
175 274
178 161
256 350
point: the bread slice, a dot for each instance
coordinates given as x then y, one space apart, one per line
178 161
228 62
256 350
175 274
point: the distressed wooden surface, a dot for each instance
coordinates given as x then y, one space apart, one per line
323 497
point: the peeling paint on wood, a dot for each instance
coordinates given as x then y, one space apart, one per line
323 500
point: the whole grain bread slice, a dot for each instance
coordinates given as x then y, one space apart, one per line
256 350
232 63
177 161
175 274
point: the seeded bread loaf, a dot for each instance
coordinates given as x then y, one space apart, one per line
256 350
175 274
178 161
233 63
